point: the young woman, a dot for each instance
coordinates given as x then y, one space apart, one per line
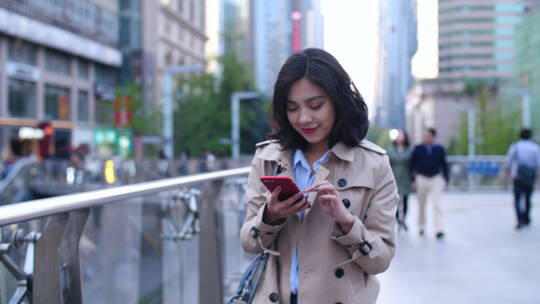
400 154
328 241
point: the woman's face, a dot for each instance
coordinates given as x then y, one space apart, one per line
400 139
310 112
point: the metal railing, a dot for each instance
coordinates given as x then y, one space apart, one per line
167 241
481 172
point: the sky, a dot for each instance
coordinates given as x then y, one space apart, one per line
350 34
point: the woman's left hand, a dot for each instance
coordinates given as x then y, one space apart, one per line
331 203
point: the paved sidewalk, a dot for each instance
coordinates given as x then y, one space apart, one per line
482 259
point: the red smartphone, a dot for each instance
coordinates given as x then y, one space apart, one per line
288 187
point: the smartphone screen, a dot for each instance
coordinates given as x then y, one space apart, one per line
288 187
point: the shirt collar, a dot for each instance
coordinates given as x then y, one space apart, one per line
300 159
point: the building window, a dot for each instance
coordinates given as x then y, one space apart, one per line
509 19
509 7
104 112
168 59
505 31
167 25
21 98
57 62
125 30
57 105
82 68
503 56
22 52
82 106
504 43
105 74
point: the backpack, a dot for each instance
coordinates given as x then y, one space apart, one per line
525 174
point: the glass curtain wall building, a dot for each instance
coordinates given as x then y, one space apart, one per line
527 64
476 38
397 46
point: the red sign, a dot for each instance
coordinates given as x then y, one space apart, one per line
122 112
297 31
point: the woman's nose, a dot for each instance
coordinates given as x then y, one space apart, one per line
305 117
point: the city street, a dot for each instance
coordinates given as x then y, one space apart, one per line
482 259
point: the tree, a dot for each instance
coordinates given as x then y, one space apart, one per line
143 122
496 125
202 117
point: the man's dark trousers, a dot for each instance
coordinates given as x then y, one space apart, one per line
521 189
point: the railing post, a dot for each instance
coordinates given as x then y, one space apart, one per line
210 262
57 274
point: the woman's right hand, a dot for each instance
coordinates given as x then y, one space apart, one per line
277 210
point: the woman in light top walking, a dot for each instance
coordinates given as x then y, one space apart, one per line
400 153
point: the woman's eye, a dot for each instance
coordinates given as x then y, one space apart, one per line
317 106
291 109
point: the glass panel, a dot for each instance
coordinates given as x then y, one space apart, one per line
83 106
57 62
104 112
82 69
510 7
57 105
509 19
22 52
22 98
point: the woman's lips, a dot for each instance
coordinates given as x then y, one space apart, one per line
309 130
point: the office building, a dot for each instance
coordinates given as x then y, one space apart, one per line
59 62
397 46
476 38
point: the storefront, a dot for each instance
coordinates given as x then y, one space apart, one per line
110 142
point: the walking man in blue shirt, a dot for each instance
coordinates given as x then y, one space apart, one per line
522 161
430 176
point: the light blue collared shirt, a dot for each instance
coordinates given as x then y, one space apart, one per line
524 152
303 179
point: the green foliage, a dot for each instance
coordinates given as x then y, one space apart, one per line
144 121
458 146
496 126
202 114
378 135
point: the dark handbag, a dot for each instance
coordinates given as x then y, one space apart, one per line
525 174
250 280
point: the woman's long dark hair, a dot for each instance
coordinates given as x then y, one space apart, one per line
351 121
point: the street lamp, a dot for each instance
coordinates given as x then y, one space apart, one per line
168 73
525 104
235 119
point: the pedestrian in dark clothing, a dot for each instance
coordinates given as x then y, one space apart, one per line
522 161
430 175
400 153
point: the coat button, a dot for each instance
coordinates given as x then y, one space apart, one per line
255 232
339 273
342 182
346 202
274 297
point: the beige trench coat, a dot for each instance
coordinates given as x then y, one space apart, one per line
333 268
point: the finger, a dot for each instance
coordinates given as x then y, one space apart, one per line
292 200
296 207
317 185
275 194
329 197
327 188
